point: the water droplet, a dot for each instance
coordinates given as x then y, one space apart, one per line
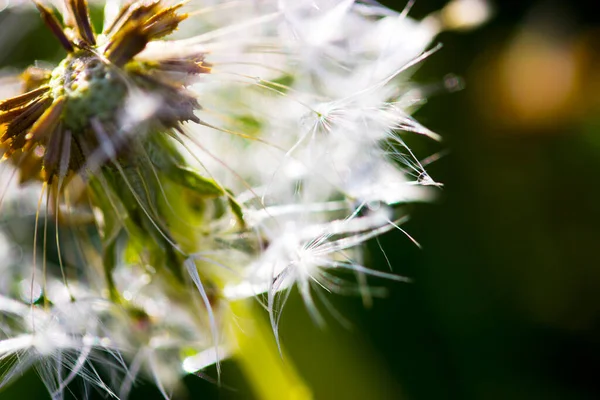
453 83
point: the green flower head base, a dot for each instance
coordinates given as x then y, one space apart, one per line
71 115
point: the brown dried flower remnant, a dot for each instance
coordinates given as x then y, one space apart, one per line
69 116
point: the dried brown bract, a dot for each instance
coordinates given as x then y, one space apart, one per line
68 120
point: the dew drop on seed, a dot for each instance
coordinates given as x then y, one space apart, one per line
425 179
374 205
29 292
453 83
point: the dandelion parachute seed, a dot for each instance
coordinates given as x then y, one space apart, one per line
184 168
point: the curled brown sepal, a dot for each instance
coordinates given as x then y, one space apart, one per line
68 119
19 120
55 26
137 26
81 15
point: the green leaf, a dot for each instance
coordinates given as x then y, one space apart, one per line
236 209
192 180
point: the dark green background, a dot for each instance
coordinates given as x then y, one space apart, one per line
505 302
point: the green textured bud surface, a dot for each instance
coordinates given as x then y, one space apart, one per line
92 90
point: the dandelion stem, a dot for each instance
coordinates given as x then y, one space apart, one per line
270 374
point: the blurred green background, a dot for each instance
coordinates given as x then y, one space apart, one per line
505 302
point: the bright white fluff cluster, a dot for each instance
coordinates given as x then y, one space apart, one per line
301 124
321 89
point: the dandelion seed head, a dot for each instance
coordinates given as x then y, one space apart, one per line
183 159
72 113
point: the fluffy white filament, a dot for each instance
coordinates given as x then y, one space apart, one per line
302 120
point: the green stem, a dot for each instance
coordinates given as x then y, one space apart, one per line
271 375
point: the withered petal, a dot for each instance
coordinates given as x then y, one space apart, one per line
117 22
136 26
135 15
126 46
21 99
81 14
53 152
192 65
55 26
18 126
7 116
46 123
164 22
